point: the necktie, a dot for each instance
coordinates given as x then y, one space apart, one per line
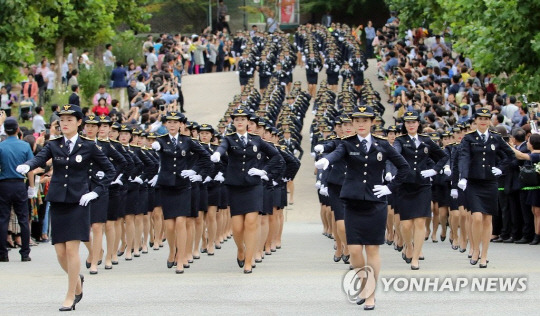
414 141
243 139
364 145
68 146
483 136
173 141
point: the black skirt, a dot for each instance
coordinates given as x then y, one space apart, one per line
358 79
203 198
332 79
263 82
115 203
224 198
482 196
157 197
143 200
175 202
268 198
214 195
533 198
283 203
336 202
312 79
276 202
414 200
99 208
365 222
441 194
133 203
243 80
195 200
69 221
123 199
151 199
245 199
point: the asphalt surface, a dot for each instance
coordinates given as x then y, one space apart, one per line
299 279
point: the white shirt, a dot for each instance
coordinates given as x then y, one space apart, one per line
108 58
480 134
73 141
417 141
175 137
151 60
86 61
38 123
368 139
244 135
51 78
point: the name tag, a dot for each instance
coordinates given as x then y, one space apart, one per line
354 153
408 146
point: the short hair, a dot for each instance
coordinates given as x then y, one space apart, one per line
114 102
151 49
54 107
535 141
38 109
512 99
500 118
101 86
74 72
108 46
74 87
519 134
118 63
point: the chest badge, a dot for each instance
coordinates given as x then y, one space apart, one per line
78 158
426 150
183 153
254 148
379 156
259 156
492 146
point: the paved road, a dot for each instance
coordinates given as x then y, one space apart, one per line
301 278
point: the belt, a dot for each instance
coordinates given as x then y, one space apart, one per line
12 180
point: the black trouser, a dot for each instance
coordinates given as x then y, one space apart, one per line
14 194
515 212
527 230
180 99
505 215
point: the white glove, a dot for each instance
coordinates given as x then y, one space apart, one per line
22 169
138 180
307 66
265 177
100 174
237 72
323 190
316 70
219 177
285 179
207 179
313 155
326 66
188 173
295 151
118 181
319 148
195 178
31 192
86 198
388 177
153 181
156 146
318 184
496 171
274 183
447 170
256 172
381 190
215 157
454 193
428 173
322 164
462 184
340 77
336 69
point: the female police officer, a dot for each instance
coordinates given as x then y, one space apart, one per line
69 194
363 191
414 196
482 157
174 180
243 182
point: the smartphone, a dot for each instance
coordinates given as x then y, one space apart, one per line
162 107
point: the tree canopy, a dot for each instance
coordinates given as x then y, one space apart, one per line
500 37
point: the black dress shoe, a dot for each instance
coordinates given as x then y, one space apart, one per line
483 266
462 250
336 258
108 267
240 262
408 260
523 240
204 250
190 261
99 262
151 244
278 247
443 238
196 257
509 240
26 259
258 260
217 246
170 264
186 266
399 248
345 258
474 262
421 258
136 255
210 253
498 239
536 240
114 263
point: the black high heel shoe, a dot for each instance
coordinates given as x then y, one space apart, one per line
415 267
337 259
443 238
78 297
345 258
482 266
170 264
248 271
186 266
88 264
399 248
240 262
67 309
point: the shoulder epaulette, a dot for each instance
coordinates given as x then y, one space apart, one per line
114 141
495 132
162 135
283 147
347 137
56 138
379 137
84 137
230 134
135 146
470 132
103 140
252 134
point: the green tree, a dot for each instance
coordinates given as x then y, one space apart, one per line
417 13
18 20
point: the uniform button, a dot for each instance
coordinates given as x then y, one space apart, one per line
244 156
67 158
366 157
244 163
364 181
66 167
365 165
345 173
483 166
415 156
89 169
483 159
415 162
414 169
416 151
484 153
365 173
66 175
242 169
65 185
175 152
244 150
174 172
174 165
484 147
91 164
174 159
89 177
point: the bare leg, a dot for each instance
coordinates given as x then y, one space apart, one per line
272 230
463 228
486 235
238 235
443 219
211 224
138 233
477 225
199 228
419 233
374 261
97 244
390 224
68 257
158 226
130 235
454 225
250 237
181 236
171 239
110 233
188 250
147 225
435 220
342 236
290 188
281 219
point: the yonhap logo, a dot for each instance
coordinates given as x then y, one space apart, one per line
359 283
